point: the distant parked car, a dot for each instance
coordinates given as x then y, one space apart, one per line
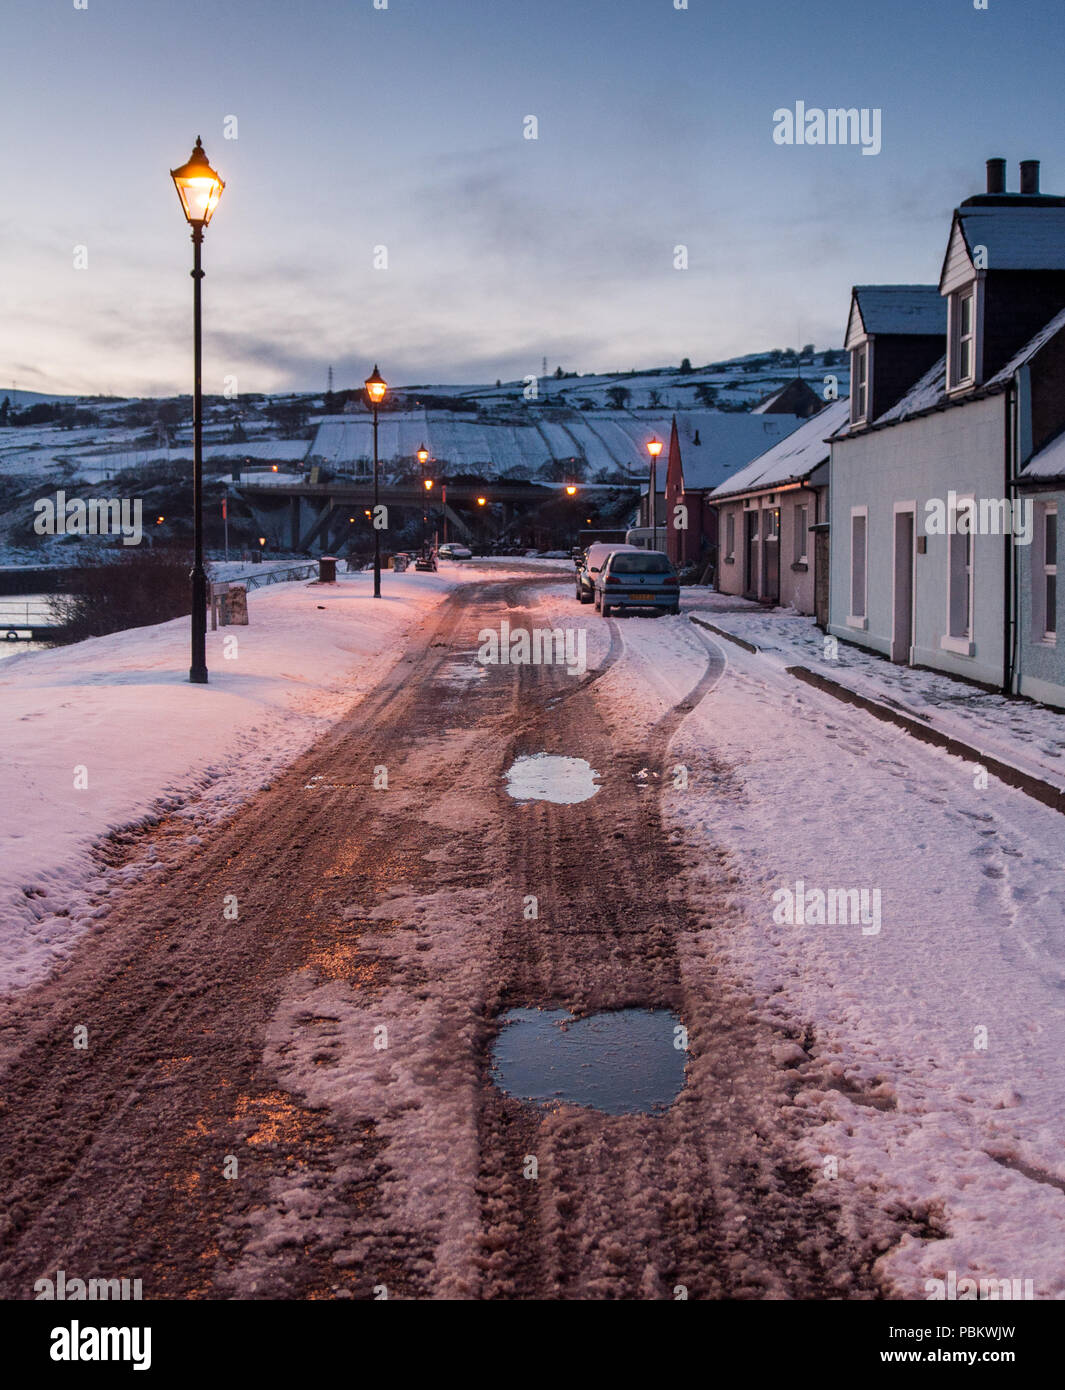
595 557
455 552
637 579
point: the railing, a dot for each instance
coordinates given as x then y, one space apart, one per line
277 576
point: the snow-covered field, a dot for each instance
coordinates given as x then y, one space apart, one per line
109 734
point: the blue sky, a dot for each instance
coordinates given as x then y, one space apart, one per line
403 127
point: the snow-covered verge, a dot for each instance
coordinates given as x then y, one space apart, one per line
109 734
924 1044
1026 735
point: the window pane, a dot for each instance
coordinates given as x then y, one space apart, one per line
966 314
1052 603
1051 551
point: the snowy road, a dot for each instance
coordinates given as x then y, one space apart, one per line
287 1088
361 1166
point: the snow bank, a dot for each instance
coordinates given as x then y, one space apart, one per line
109 734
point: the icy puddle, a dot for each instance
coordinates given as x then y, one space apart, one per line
545 777
623 1062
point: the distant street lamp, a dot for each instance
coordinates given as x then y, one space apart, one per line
427 483
654 448
199 188
376 386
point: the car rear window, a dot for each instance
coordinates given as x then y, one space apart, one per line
640 563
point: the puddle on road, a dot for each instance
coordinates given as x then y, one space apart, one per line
545 777
456 672
622 1062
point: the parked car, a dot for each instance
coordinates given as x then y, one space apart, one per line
455 552
595 557
637 579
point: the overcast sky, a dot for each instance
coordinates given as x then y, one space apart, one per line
404 127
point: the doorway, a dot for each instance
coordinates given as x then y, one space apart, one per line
902 591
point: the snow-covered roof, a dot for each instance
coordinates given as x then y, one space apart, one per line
793 458
923 395
931 390
1031 347
1017 238
1048 463
906 309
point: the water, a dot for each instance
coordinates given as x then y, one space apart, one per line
545 777
19 613
623 1062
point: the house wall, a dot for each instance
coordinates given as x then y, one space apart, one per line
1040 664
796 577
917 460
898 362
1016 306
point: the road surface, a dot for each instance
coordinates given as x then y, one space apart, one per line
240 1126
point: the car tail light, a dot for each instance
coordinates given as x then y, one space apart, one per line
671 583
612 579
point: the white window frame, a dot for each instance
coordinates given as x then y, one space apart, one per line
859 620
973 291
801 513
961 643
862 353
1048 571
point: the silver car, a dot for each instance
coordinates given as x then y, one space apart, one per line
594 558
637 579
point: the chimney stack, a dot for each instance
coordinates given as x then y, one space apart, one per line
996 176
1029 175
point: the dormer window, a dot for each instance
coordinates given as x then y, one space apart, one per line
963 325
860 387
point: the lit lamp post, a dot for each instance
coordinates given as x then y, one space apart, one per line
654 448
423 459
199 189
376 386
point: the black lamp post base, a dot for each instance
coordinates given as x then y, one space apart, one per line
198 675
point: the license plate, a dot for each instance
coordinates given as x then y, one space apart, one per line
645 597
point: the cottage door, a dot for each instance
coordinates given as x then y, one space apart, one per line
771 555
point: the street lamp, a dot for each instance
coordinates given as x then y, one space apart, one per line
376 386
199 188
654 448
423 459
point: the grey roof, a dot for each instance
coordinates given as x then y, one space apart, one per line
793 458
729 440
1016 238
905 309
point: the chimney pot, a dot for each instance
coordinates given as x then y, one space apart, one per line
996 176
1029 175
